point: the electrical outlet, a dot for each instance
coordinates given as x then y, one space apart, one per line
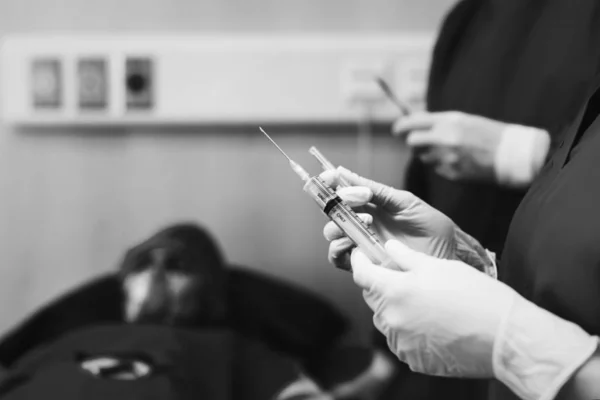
92 83
46 83
359 83
139 83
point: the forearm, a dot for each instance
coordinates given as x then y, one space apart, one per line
471 252
539 355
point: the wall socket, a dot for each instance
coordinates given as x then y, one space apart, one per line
139 83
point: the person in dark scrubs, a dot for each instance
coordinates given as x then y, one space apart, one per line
535 329
506 77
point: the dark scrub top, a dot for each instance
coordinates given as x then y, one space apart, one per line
527 62
552 253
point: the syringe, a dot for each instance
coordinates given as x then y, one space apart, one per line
404 109
327 165
340 213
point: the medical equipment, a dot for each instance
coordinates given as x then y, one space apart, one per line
340 213
326 164
404 109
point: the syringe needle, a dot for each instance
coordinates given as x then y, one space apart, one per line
272 141
295 166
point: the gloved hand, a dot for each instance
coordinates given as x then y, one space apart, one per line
468 147
446 319
303 388
398 214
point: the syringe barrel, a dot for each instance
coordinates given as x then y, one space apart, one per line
327 165
347 220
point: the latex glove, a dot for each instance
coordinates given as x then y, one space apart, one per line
444 318
370 383
468 147
398 214
303 388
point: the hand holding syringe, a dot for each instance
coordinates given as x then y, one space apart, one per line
405 110
340 213
334 207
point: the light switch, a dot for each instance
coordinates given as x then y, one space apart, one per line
46 83
92 83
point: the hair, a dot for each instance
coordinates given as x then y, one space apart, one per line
200 257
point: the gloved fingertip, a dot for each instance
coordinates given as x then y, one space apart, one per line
343 171
411 140
328 173
394 244
397 248
358 257
356 195
367 218
404 257
364 273
330 231
329 176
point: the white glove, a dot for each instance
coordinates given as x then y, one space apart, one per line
303 388
521 154
392 214
468 147
444 318
398 214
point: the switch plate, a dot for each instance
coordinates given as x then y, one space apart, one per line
46 83
92 80
139 83
212 79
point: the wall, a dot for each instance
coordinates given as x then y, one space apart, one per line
72 201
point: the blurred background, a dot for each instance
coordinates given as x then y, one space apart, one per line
74 196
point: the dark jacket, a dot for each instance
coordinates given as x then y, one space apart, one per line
527 62
552 257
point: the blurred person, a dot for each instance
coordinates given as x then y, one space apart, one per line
531 325
506 77
179 278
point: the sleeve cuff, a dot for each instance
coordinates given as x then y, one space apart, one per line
520 155
536 352
491 269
